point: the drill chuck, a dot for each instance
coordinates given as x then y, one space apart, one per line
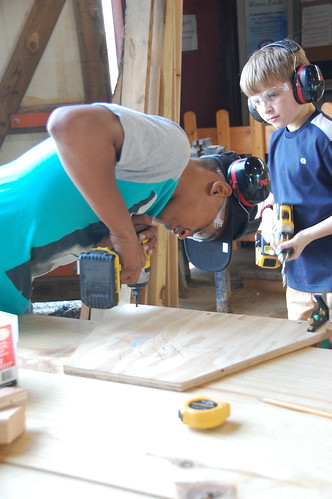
142 281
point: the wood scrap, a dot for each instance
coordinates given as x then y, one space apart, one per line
179 349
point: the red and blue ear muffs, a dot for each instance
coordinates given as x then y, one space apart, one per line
248 177
250 180
308 82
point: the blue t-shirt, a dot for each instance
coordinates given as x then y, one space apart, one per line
300 164
45 221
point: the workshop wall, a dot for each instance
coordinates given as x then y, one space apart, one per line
200 75
209 73
58 78
52 53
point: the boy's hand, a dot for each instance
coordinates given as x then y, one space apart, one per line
297 244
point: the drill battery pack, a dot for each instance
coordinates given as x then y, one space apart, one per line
100 278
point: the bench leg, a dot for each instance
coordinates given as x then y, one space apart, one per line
223 290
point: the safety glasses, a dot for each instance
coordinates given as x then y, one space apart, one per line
212 231
269 97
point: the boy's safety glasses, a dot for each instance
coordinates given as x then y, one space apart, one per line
269 97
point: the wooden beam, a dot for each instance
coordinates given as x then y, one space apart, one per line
93 50
157 294
150 79
28 120
223 129
170 106
156 55
25 58
178 15
136 58
167 97
190 125
117 10
257 138
33 119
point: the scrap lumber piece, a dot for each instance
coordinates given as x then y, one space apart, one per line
178 349
12 413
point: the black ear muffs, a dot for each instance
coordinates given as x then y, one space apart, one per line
308 81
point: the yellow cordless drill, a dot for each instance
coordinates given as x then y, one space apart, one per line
100 281
283 230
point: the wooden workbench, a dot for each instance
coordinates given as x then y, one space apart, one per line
117 440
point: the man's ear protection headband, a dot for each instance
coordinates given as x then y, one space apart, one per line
248 177
308 82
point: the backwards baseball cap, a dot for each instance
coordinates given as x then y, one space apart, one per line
250 182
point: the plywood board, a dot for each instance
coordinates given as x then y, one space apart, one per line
179 349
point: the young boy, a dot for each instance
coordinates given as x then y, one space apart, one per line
107 173
282 87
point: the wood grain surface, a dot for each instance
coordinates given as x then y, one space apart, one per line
87 436
119 440
179 349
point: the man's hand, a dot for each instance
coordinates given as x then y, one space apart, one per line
146 228
132 257
266 226
130 250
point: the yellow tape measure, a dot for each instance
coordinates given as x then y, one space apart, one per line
204 412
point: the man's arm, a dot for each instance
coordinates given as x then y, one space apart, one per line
89 141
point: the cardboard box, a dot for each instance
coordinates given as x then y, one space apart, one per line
8 349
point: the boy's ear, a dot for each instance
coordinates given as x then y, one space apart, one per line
220 188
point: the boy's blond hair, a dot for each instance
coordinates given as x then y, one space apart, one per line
269 65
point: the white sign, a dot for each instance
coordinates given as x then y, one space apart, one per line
189 33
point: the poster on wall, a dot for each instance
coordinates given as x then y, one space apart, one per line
316 25
266 22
